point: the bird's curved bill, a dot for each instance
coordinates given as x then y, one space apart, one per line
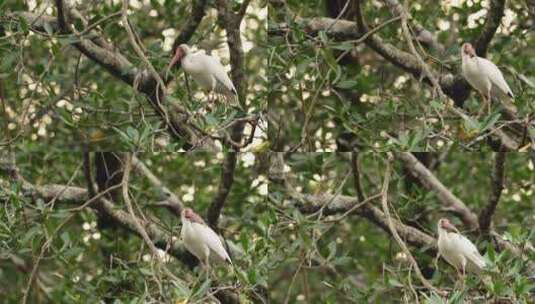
450 227
176 57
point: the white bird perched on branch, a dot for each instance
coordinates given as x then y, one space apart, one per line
458 251
207 71
200 239
485 77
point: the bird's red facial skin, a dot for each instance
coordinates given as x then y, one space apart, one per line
469 50
445 224
192 216
177 57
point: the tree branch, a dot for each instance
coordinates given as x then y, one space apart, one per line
342 203
171 201
453 85
160 238
496 187
431 183
198 11
335 204
231 23
356 175
225 184
392 227
422 34
114 62
492 22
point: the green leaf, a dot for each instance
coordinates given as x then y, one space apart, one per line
132 133
23 24
490 121
203 288
394 283
48 28
347 84
343 46
65 237
323 37
470 124
146 271
437 105
491 253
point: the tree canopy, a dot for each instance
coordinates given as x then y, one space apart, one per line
97 74
386 75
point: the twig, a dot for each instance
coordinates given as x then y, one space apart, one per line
356 175
126 197
87 173
44 248
402 245
127 167
170 197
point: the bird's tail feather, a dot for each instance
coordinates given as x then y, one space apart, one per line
478 260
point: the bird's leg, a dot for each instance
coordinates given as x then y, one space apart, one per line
436 260
463 268
198 277
489 100
459 276
207 271
225 103
483 105
210 101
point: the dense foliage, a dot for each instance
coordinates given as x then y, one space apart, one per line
52 94
332 90
80 257
333 255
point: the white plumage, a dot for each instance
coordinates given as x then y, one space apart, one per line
207 71
486 78
457 250
201 240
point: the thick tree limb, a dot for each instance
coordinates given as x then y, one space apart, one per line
77 195
342 203
496 187
160 238
171 201
231 21
422 34
492 22
393 230
114 62
453 85
355 168
198 10
225 184
431 183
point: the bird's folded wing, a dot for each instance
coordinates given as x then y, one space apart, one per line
469 250
495 76
213 241
214 66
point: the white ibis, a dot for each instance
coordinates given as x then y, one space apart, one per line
458 250
200 239
486 78
207 71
